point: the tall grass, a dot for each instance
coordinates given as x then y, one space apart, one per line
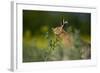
55 51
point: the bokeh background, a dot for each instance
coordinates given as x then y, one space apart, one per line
39 42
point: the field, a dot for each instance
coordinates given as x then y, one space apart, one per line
41 44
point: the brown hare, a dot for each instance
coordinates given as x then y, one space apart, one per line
63 36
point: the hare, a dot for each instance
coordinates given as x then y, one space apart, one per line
63 36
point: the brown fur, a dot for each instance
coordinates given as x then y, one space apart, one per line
64 36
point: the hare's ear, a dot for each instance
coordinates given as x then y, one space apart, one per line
62 26
62 23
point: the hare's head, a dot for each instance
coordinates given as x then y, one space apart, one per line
58 30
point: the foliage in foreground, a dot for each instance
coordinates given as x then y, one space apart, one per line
55 50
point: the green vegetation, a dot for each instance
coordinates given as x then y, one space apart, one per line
40 43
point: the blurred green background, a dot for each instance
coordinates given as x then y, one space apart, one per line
37 31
